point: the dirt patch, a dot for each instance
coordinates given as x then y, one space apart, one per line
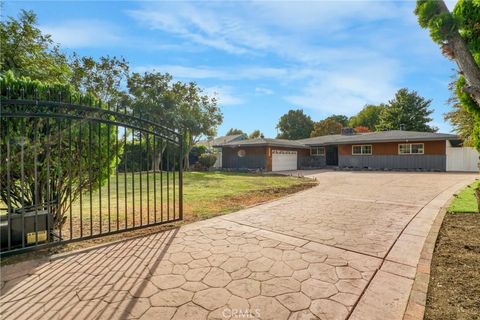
215 208
454 290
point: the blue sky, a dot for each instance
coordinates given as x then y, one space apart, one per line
262 58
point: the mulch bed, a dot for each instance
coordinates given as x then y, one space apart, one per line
454 289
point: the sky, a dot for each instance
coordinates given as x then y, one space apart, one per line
263 58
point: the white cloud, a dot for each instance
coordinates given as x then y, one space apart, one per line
83 33
224 95
347 90
263 90
219 73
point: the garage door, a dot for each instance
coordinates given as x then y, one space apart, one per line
284 160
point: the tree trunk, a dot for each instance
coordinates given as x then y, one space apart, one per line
464 59
157 158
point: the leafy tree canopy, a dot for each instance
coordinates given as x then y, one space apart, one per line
234 131
326 127
255 134
27 52
407 110
368 117
294 125
103 78
180 105
343 120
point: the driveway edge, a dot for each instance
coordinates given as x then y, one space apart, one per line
399 288
418 296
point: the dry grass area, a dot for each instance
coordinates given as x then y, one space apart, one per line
206 194
454 290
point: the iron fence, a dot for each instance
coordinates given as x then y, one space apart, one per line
73 171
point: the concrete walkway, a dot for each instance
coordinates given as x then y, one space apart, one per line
347 249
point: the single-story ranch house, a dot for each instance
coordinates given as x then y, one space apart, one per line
396 150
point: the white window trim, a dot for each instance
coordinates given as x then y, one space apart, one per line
410 149
322 154
361 149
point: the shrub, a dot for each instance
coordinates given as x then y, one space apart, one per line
207 160
45 160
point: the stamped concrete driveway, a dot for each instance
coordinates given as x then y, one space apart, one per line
346 249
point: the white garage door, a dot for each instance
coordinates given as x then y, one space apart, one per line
284 160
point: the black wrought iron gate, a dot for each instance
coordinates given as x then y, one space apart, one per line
75 171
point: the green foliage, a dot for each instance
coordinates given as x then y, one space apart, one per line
472 108
294 125
326 127
207 160
409 110
176 105
343 120
440 24
255 134
26 51
198 150
234 131
135 157
44 145
103 78
466 20
368 117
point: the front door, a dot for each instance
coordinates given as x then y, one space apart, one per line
332 155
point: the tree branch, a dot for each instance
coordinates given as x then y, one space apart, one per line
459 51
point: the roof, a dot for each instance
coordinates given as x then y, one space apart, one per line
381 136
221 140
369 137
264 142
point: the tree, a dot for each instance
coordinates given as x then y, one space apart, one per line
294 125
326 127
458 35
407 110
462 121
103 78
343 120
368 117
255 134
27 52
233 132
361 129
176 105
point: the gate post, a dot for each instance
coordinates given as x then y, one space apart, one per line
180 179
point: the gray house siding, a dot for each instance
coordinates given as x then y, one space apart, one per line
426 162
309 162
232 161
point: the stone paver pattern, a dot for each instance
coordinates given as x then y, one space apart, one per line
325 253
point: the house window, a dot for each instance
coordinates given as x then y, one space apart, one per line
411 148
317 151
365 149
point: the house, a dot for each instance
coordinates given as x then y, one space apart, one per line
212 145
395 150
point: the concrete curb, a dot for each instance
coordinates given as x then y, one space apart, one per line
418 296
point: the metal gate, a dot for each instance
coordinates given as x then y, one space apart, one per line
77 171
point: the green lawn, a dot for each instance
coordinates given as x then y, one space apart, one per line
136 199
465 201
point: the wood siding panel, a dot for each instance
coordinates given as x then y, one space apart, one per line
391 148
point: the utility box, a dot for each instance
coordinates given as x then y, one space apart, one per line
31 234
